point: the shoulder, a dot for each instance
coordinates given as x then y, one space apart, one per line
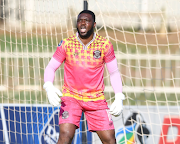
60 43
100 38
103 40
65 41
70 39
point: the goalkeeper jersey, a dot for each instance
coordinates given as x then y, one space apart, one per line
84 66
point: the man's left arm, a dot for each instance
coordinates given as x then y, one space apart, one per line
115 78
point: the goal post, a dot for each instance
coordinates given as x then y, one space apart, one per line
146 40
85 5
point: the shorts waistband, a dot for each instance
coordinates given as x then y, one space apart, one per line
84 98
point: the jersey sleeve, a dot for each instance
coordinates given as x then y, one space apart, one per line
109 53
115 77
49 72
60 53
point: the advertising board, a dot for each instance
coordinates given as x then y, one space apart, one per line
38 124
35 124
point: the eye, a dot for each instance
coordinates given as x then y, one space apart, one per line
83 20
87 20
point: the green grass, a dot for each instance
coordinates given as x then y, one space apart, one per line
31 74
30 44
28 97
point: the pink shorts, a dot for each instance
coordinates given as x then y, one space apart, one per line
96 113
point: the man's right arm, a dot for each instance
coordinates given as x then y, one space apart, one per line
55 62
52 92
49 73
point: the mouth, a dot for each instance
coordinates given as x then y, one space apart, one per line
83 29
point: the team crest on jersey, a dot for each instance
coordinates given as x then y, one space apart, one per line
65 114
97 54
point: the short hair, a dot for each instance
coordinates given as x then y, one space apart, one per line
88 12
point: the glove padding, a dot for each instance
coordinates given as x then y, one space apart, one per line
53 93
117 105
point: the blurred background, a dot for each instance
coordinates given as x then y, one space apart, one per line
144 33
146 39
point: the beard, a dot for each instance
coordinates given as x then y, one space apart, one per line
88 34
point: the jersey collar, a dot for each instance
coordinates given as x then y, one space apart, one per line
85 46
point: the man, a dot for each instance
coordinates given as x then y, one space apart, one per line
84 55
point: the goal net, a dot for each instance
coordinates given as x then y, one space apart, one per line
146 39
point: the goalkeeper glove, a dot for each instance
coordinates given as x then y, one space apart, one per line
117 105
53 93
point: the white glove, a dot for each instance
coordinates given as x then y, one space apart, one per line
117 105
53 93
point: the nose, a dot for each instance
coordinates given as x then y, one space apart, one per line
83 22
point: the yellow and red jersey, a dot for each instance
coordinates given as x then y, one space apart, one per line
84 66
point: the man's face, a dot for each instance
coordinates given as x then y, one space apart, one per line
85 25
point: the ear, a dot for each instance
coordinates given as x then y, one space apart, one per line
94 24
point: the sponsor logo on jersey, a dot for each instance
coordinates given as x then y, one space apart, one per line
97 54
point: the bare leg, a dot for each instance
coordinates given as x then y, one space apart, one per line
66 133
107 136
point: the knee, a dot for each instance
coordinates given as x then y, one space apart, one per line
65 137
110 140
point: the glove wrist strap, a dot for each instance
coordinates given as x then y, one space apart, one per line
47 84
119 96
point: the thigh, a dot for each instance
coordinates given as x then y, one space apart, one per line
107 136
66 133
98 118
70 111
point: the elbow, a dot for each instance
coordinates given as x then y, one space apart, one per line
114 72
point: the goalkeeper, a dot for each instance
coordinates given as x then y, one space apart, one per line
84 55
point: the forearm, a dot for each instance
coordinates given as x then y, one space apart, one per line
49 73
115 77
116 83
117 105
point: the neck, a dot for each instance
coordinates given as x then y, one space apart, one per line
87 40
